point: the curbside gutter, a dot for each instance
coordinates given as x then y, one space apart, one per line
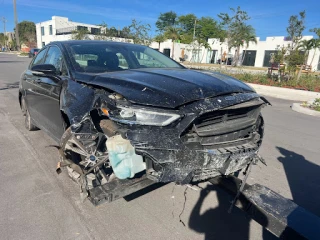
298 108
285 93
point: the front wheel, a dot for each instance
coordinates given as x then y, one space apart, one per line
86 156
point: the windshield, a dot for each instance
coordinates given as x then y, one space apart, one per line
108 57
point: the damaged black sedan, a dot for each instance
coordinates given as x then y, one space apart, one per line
127 116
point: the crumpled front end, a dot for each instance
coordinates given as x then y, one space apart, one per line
217 136
122 143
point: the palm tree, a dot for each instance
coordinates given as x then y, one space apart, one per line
244 34
81 34
247 40
316 45
173 34
306 46
159 39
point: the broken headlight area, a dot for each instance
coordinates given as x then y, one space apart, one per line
141 116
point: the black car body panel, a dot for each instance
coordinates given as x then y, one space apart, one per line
218 132
168 88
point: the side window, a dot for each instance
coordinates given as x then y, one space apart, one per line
146 60
39 58
122 61
54 57
84 59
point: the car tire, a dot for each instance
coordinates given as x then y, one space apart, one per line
74 157
28 122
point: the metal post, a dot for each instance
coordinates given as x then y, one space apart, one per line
16 24
4 20
194 29
277 214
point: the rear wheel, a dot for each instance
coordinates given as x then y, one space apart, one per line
28 122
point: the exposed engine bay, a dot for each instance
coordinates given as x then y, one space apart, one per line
114 147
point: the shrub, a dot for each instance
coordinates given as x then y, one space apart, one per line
309 82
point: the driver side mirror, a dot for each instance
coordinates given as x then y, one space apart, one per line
44 70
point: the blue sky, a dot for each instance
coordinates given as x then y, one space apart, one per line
269 18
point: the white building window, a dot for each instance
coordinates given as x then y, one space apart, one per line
50 29
42 31
43 44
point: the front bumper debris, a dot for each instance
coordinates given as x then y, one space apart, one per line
171 153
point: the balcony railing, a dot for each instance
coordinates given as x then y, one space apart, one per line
69 30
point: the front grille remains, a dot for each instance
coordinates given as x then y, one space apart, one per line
224 127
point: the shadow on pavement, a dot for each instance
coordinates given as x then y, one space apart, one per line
144 191
10 85
10 61
303 178
217 223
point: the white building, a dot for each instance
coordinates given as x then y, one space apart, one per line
61 28
257 55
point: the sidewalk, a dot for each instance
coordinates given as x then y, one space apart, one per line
285 93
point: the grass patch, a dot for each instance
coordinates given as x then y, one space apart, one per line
316 104
309 83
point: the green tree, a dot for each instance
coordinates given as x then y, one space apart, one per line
306 46
3 40
316 31
237 29
187 24
172 33
292 58
165 20
207 28
140 33
296 27
192 28
80 34
159 39
27 33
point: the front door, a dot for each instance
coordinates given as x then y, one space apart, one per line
249 58
52 121
33 93
166 52
211 56
267 57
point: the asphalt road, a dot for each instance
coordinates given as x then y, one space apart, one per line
36 203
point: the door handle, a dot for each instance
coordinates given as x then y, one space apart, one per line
38 80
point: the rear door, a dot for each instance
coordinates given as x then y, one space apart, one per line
50 94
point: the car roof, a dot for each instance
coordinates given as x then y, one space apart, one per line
84 42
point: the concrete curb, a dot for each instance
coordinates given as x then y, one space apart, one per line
8 53
285 93
298 108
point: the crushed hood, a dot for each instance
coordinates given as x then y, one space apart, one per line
168 88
